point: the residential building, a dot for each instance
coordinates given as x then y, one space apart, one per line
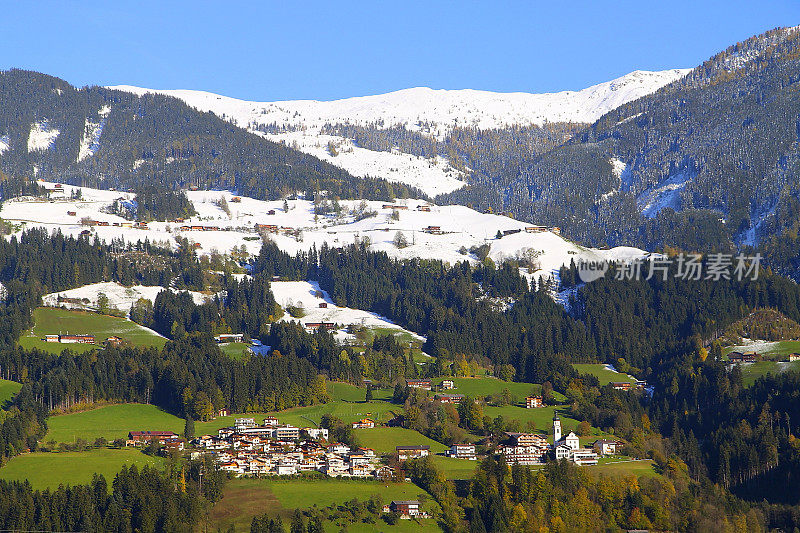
412 452
606 447
449 398
419 384
532 402
364 423
448 384
462 451
405 507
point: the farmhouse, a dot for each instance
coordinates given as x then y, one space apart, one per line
448 384
535 229
794 357
229 337
412 452
449 398
433 230
424 208
364 423
462 451
606 447
407 508
621 385
71 339
419 384
72 213
138 438
323 305
532 402
113 341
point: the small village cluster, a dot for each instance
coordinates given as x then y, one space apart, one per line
281 449
533 449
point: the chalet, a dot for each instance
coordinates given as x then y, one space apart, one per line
449 398
113 341
185 228
271 212
236 199
511 232
535 229
310 326
424 208
622 385
86 232
750 358
323 305
532 402
384 473
387 206
115 224
448 384
412 452
462 451
137 438
103 223
433 230
197 228
210 228
72 213
364 423
51 338
76 339
405 507
229 337
605 447
179 220
556 230
735 357
223 412
271 228
198 245
419 384
794 357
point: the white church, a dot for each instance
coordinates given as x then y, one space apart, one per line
569 447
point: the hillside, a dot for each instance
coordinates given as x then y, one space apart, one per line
459 233
316 127
103 138
706 162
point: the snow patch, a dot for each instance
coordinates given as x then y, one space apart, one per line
665 194
41 137
90 142
5 143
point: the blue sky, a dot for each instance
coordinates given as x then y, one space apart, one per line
327 50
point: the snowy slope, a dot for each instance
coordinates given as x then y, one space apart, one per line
41 137
119 296
461 228
443 108
422 109
90 142
304 294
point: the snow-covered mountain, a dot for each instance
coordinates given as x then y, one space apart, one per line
421 109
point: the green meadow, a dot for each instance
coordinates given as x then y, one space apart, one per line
45 470
49 320
384 440
111 422
245 498
603 374
778 350
8 389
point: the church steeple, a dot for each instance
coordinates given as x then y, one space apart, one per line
556 428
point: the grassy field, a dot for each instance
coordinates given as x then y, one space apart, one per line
488 385
625 467
49 470
311 416
235 350
245 498
351 393
111 422
8 389
600 371
778 350
384 440
752 371
49 320
455 468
